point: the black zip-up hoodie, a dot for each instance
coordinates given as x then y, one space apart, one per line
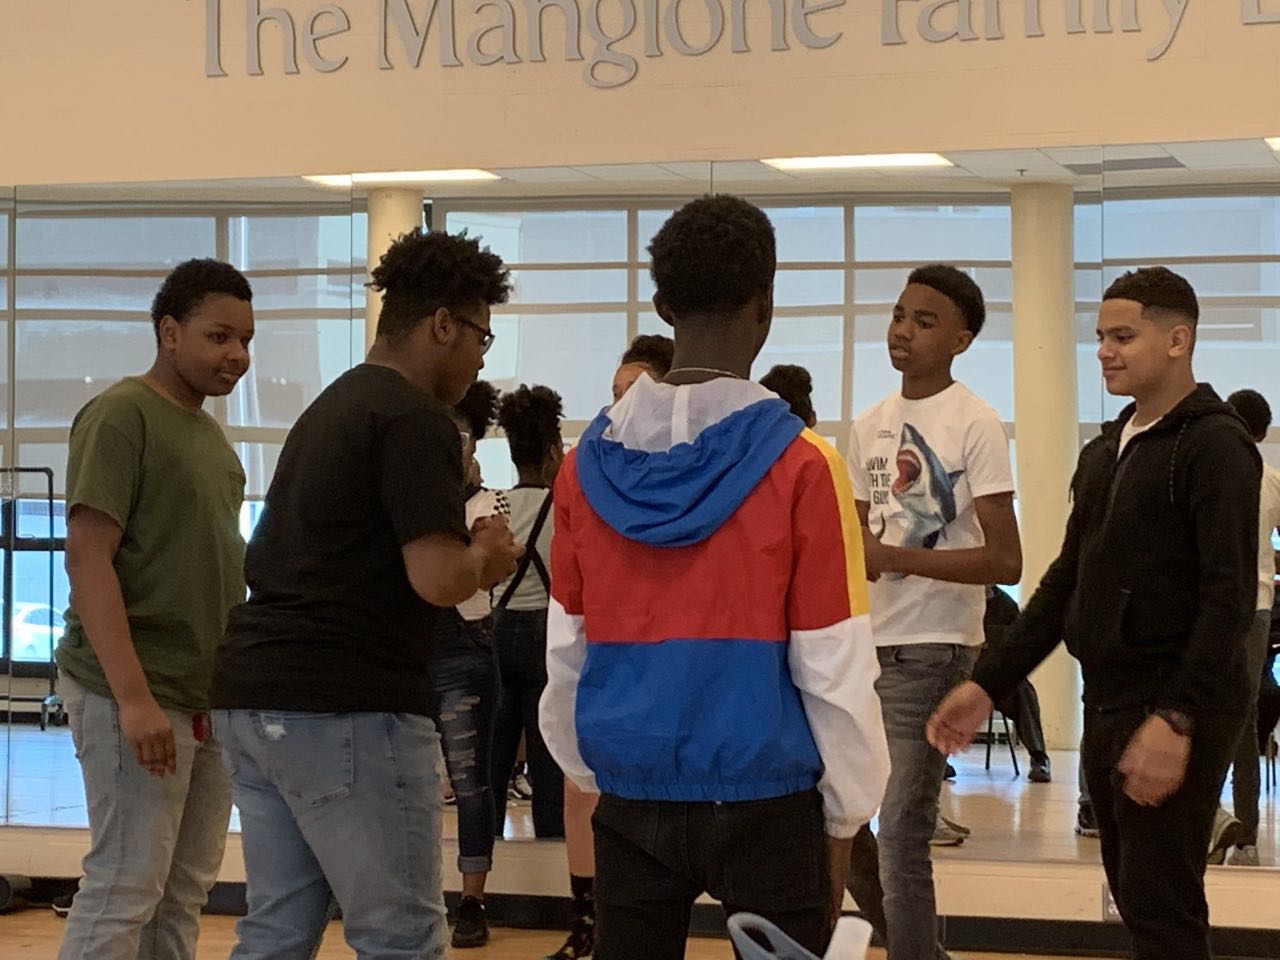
1157 579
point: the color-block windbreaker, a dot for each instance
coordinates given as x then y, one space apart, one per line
708 637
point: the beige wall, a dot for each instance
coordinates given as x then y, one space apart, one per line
116 91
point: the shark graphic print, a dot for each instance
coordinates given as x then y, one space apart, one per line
924 490
918 468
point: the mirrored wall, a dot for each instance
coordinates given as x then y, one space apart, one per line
81 264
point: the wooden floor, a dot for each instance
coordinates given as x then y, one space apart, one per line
1012 820
34 935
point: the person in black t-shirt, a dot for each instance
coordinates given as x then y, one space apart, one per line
322 688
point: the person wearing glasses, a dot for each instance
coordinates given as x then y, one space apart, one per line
322 690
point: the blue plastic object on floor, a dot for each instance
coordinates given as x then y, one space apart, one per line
758 939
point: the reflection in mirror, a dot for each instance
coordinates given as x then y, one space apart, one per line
6 637
1210 211
83 264
575 240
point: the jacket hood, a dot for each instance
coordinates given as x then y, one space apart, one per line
668 465
1201 402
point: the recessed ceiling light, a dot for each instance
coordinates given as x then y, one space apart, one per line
860 161
394 177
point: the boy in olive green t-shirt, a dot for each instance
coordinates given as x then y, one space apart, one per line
155 559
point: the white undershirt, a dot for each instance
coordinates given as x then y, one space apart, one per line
1130 431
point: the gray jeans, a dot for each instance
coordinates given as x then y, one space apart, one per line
155 844
1245 776
913 680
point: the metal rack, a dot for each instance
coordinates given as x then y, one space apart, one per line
51 707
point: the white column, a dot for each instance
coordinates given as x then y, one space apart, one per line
1045 415
392 212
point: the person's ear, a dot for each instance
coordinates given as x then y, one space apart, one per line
167 333
443 326
1181 340
663 311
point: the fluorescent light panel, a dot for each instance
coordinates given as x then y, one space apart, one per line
1273 143
862 161
393 177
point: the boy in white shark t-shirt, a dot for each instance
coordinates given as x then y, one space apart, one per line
933 484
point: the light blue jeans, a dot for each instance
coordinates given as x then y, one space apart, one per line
337 806
913 680
155 844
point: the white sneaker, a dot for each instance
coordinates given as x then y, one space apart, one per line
1226 831
1246 856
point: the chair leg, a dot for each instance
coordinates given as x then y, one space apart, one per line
990 735
1013 752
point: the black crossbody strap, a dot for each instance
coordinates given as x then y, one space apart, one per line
530 557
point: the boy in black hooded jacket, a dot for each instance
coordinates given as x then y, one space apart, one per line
1153 592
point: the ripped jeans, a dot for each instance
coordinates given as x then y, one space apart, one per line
342 806
466 683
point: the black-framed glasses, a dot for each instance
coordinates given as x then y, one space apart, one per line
486 336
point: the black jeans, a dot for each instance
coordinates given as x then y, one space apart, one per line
1155 856
520 638
653 859
1023 708
466 682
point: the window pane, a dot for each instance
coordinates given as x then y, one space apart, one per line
808 233
1239 347
1088 232
574 354
33 518
37 623
112 242
250 514
815 343
569 286
986 367
62 364
547 236
800 288
259 461
1149 230
333 291
649 222
288 242
496 468
4 236
927 233
51 455
133 294
293 360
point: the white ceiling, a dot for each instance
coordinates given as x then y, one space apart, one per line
1216 163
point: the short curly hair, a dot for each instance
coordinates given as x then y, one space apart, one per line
653 350
713 255
793 384
1160 291
424 271
190 282
478 408
1253 410
530 417
958 287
